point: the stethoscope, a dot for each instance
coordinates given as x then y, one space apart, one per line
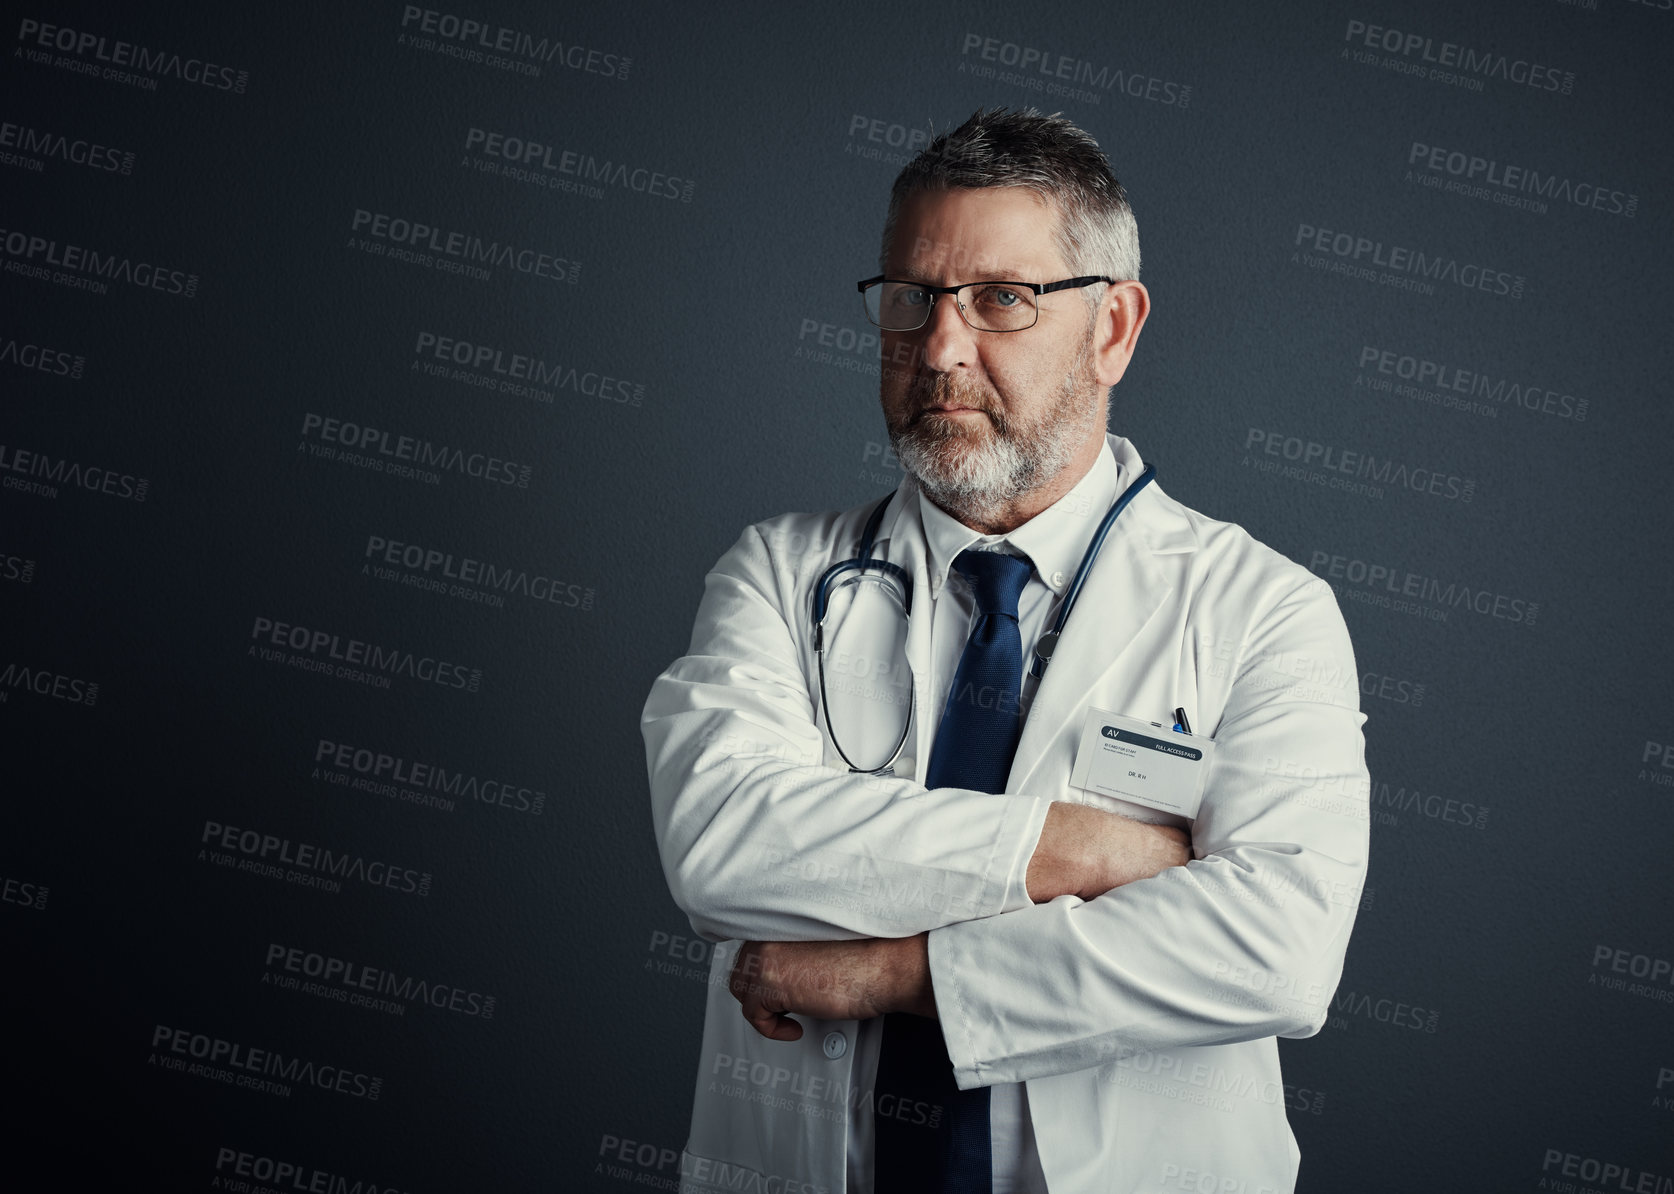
855 571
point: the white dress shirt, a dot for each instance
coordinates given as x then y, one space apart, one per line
1054 542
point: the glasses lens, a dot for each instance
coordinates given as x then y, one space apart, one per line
867 681
898 306
999 306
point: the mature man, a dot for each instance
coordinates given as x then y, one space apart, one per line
962 971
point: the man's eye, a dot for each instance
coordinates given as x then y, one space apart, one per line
905 298
999 296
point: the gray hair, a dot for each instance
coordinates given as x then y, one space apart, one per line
1051 156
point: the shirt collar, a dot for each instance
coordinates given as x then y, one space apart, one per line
1054 540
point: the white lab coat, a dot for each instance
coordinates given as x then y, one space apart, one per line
1144 1022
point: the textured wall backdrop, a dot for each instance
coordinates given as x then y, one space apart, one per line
380 381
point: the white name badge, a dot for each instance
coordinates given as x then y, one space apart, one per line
1142 762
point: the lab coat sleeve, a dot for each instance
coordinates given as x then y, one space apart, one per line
759 839
1245 941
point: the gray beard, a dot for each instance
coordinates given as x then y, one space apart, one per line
974 482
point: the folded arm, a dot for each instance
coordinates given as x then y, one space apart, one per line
1245 941
761 841
1082 851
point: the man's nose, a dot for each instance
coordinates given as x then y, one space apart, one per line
948 340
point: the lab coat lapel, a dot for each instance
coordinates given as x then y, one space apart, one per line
1122 592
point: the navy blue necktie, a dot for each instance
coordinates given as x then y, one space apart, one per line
931 1137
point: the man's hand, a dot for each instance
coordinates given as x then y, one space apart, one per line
830 980
1085 851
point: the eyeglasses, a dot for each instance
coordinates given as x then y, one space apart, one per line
897 306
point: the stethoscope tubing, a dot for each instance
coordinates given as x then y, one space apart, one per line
864 562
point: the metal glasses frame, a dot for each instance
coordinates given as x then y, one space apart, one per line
1039 288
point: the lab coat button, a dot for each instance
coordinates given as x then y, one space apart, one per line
835 1045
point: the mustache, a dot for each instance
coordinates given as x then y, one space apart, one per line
940 389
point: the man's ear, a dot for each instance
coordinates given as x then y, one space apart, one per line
1116 331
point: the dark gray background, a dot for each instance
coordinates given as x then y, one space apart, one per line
705 304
